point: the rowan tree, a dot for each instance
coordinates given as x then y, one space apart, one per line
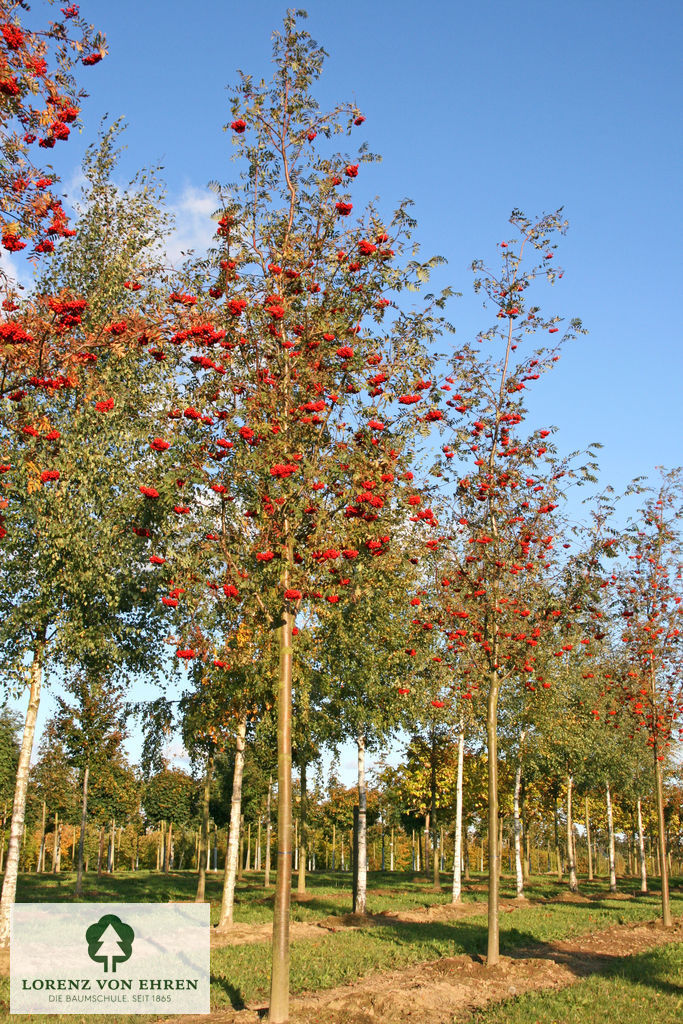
300 307
650 596
40 102
506 494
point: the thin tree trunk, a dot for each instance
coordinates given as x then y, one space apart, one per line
100 851
517 830
240 857
391 855
664 872
257 858
466 852
558 855
334 846
167 848
573 884
279 981
54 844
436 877
456 896
610 835
425 837
204 835
266 880
493 951
232 852
362 849
40 866
383 860
248 861
81 842
9 885
588 843
641 847
303 837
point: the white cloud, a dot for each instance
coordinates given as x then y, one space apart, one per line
194 228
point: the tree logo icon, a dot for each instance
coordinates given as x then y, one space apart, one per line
110 941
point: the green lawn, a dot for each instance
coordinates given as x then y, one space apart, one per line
639 989
328 893
240 974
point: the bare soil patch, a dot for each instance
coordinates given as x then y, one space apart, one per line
453 988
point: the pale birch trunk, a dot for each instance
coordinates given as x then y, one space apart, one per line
232 853
573 884
610 833
588 843
303 837
456 896
40 866
517 829
641 848
9 885
361 899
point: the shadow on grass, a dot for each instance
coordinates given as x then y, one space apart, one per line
233 993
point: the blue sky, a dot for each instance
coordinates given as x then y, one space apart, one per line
476 108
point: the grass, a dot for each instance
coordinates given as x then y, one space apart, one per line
240 974
639 989
328 893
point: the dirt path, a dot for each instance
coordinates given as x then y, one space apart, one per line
454 987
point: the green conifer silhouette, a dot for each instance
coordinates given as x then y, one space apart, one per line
110 941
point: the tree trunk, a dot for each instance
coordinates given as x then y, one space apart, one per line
100 851
466 852
383 862
362 851
247 865
558 855
425 836
436 878
493 951
517 829
266 880
167 848
279 981
240 856
303 837
588 843
9 885
334 846
54 844
641 848
40 866
456 896
257 855
232 852
664 872
391 854
571 858
204 835
81 842
610 836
